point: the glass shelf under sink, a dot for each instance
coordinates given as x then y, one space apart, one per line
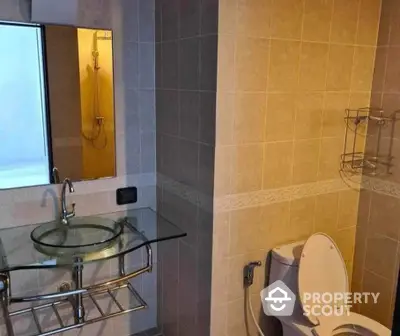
139 227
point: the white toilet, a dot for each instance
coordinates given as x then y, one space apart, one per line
317 265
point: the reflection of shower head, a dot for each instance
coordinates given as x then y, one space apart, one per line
95 55
98 122
95 50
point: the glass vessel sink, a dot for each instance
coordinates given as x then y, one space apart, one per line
140 228
80 236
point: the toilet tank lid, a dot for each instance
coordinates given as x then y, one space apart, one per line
288 254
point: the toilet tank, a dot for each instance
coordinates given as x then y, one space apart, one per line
285 262
285 267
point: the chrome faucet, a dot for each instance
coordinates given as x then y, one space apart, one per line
65 214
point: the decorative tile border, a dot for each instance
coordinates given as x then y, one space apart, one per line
25 206
256 198
89 187
188 193
381 186
270 196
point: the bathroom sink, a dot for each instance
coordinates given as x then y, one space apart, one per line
79 237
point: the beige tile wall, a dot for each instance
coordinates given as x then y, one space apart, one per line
287 70
377 243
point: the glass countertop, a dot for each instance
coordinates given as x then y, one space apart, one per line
139 227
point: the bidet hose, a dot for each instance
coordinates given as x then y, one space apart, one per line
253 316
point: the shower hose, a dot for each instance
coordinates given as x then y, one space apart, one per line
253 316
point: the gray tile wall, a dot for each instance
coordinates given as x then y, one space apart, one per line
133 25
186 62
15 10
377 257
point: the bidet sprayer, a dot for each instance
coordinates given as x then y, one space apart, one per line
248 272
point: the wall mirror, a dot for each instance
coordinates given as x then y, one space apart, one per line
56 104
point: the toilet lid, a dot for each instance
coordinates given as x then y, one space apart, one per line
322 273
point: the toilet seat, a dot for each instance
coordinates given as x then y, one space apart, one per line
353 324
322 270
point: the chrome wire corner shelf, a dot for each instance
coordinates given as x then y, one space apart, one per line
363 149
69 306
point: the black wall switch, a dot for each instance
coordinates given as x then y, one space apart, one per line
126 195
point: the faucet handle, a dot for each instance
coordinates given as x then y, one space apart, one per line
71 214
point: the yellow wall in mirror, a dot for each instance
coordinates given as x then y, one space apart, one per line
97 107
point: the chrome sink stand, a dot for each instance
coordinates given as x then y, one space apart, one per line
76 297
79 309
4 291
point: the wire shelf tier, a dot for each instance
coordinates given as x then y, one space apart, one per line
58 316
362 124
75 306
